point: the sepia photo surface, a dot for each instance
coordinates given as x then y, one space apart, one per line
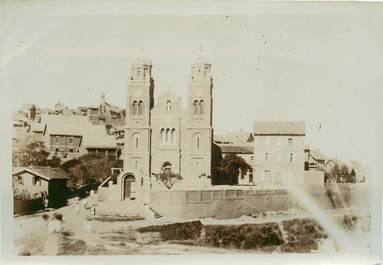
227 133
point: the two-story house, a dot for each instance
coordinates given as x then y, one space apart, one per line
278 152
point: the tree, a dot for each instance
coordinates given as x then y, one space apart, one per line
89 169
35 154
352 178
229 168
216 158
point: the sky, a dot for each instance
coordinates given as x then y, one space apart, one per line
323 67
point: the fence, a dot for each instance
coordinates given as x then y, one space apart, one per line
27 206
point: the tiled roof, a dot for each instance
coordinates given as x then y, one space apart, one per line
279 128
43 172
237 149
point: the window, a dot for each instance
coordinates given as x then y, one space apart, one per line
266 176
266 156
201 104
57 140
20 179
195 107
168 105
70 150
162 135
291 157
196 167
36 181
167 135
251 175
134 107
71 140
173 138
196 142
290 141
140 107
136 164
135 140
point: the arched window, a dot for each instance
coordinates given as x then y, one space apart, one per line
168 105
173 138
135 140
201 105
291 158
162 135
140 107
195 107
197 141
135 107
167 135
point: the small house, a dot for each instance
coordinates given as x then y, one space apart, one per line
43 180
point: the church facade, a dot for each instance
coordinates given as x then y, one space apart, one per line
160 132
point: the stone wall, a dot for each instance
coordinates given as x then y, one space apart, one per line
223 203
233 203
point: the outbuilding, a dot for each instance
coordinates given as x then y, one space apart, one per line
43 180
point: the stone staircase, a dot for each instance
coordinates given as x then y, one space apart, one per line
155 213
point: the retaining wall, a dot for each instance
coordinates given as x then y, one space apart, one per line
232 203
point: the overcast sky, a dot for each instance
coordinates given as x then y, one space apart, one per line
323 67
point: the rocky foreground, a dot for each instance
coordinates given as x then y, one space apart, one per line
298 234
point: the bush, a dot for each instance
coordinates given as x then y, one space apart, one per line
247 236
177 231
24 194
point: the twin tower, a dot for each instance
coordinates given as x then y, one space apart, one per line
160 133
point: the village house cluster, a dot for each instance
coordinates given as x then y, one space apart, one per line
152 136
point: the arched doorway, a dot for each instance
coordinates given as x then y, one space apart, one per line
128 182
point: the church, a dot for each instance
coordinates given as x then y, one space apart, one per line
161 133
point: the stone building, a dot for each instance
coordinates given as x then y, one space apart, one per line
279 152
69 137
160 132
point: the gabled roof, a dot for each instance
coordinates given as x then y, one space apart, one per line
296 128
94 136
317 155
237 149
67 125
47 173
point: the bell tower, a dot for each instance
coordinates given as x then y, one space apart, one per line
199 131
139 104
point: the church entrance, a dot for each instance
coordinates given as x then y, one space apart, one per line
128 182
